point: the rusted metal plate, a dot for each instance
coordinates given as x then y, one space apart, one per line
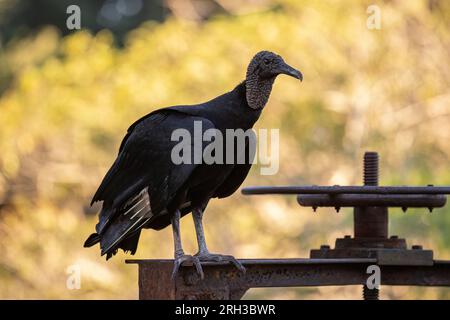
361 243
392 257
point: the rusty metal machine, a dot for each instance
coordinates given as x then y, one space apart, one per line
345 264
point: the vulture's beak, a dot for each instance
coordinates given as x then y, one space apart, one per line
284 68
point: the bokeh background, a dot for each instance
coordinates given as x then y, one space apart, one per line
67 98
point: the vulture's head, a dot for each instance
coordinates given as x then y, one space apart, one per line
261 73
268 65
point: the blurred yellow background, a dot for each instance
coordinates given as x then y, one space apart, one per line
72 98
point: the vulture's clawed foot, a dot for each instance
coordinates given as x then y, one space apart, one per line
214 257
184 258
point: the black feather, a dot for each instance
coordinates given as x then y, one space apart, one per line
92 240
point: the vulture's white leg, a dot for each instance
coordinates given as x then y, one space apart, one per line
203 254
180 257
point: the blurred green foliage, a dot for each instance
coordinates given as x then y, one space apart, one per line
69 101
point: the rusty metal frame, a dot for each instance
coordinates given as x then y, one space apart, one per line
223 281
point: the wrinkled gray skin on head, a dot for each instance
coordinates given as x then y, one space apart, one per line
261 73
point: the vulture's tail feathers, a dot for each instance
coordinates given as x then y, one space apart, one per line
124 231
127 245
130 244
92 240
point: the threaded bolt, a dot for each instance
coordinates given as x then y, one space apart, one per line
371 169
370 294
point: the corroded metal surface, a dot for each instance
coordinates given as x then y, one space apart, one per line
224 282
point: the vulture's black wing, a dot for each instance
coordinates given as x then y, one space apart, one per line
236 176
233 181
143 179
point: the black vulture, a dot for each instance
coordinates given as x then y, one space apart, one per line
144 188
